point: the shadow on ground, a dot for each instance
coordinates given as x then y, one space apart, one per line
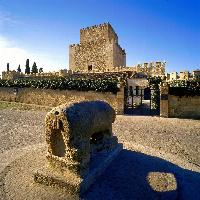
130 176
134 175
142 110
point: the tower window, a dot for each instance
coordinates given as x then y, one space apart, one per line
89 67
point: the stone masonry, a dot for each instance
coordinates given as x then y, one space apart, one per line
98 50
52 98
176 106
80 144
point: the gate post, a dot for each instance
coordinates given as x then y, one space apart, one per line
164 103
120 101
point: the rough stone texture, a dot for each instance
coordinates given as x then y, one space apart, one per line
54 98
80 145
23 106
69 134
173 76
98 50
155 179
72 183
178 137
18 182
164 102
20 129
11 75
152 144
185 107
162 181
175 106
151 68
184 75
141 82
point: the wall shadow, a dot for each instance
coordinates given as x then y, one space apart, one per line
127 178
189 117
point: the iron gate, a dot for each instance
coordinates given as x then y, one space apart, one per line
139 101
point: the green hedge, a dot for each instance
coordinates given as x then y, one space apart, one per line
101 85
185 88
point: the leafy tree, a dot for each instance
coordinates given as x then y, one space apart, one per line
19 69
27 69
40 70
8 67
34 68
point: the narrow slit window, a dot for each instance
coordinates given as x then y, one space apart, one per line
89 67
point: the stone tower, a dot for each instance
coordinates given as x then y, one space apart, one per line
98 50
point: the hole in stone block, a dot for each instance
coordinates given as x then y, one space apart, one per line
98 141
97 138
56 113
57 143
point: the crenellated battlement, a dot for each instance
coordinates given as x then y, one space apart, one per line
183 75
101 26
74 45
98 50
151 68
104 26
96 32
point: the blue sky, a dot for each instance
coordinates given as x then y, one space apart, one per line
149 30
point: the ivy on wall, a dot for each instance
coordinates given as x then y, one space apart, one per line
154 84
185 88
80 84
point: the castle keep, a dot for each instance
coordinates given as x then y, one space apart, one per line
98 50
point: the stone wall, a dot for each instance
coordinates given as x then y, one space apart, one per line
164 100
98 50
91 54
119 56
12 75
52 98
180 107
184 75
98 32
186 107
141 82
151 68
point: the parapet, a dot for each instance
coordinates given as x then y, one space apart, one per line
101 26
97 32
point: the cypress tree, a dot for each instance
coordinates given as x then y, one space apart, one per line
34 68
8 67
19 69
27 68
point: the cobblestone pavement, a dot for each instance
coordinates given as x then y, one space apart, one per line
174 140
20 128
179 137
